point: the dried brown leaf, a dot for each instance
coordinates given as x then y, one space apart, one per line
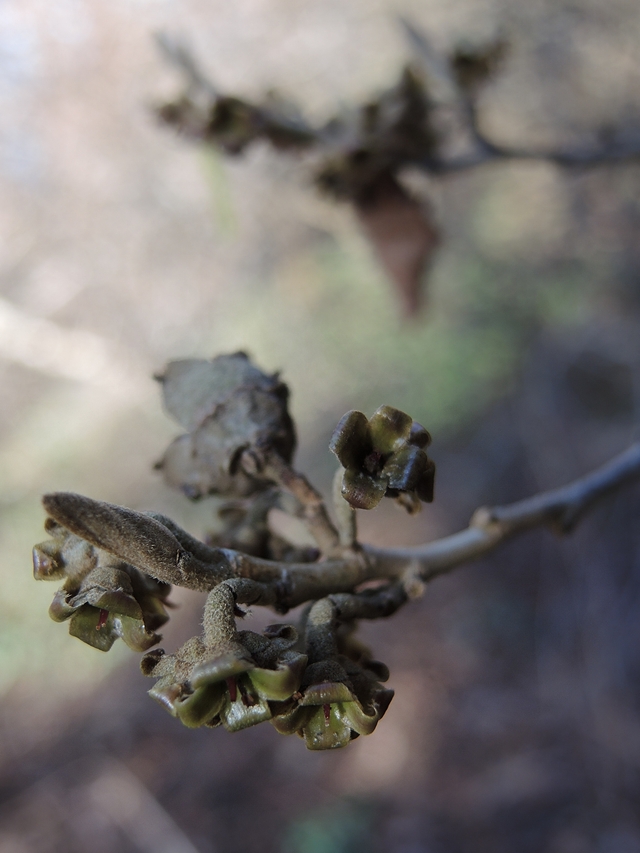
403 234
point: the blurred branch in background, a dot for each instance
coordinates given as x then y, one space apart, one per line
428 119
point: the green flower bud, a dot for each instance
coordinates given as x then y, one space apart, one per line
384 455
102 599
340 701
227 677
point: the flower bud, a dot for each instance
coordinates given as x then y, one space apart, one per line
384 455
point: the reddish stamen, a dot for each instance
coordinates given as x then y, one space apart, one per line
373 462
102 619
232 688
247 699
327 715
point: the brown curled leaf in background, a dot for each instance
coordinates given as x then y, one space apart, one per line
474 65
403 234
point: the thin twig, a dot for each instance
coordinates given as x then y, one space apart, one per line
560 509
570 157
178 53
314 511
440 78
345 514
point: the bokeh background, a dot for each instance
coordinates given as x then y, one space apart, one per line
515 724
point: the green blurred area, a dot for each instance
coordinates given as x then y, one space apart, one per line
345 828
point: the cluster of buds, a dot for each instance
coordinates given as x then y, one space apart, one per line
240 678
314 680
383 456
341 696
226 677
102 598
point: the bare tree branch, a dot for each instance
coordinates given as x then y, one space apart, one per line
313 509
560 509
172 555
487 152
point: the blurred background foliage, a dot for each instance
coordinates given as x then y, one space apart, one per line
515 721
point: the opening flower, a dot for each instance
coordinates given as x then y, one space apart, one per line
338 701
102 598
226 677
384 455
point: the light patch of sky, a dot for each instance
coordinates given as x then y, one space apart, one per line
23 27
20 55
20 155
20 64
69 21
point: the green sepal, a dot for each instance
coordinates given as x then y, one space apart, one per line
219 669
361 490
425 486
59 609
236 715
154 613
419 436
46 562
326 693
114 600
166 692
351 440
357 718
84 626
279 684
135 634
333 732
202 705
405 468
390 428
291 719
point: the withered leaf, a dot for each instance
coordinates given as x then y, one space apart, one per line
227 405
403 234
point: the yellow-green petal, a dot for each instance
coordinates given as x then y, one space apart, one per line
202 705
390 428
236 715
405 468
361 490
281 683
351 440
